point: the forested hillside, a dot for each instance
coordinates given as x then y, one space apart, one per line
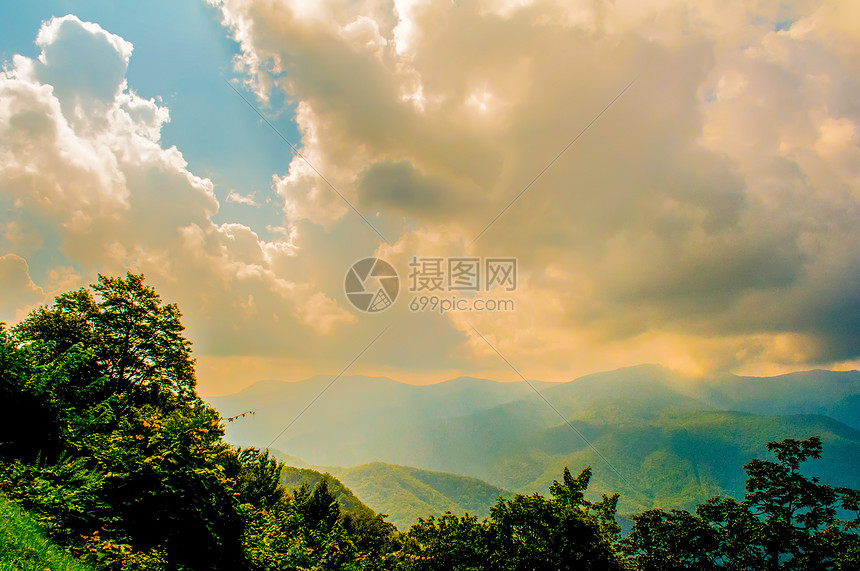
106 444
293 478
670 441
406 493
104 439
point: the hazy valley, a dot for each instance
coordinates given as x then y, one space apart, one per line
673 441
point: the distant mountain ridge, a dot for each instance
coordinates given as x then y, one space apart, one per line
812 392
670 441
360 410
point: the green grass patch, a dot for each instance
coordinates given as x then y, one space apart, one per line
23 546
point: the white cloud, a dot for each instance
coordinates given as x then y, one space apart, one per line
82 167
247 200
84 63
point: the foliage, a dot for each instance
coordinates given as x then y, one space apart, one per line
565 531
137 341
257 477
119 459
785 521
376 539
448 542
292 478
672 541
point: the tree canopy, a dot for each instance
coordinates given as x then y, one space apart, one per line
786 521
136 340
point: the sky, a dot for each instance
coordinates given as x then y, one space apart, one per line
677 182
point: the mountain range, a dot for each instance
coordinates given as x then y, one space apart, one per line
658 438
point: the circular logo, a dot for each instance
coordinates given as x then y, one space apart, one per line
371 285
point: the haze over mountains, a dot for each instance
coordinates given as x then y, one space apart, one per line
403 493
659 439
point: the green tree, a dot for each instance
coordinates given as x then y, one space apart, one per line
565 531
137 340
786 521
448 542
142 339
69 321
166 485
29 426
318 507
109 380
672 541
258 477
374 538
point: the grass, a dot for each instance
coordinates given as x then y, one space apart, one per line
23 546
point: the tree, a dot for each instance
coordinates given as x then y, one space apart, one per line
108 379
374 537
562 532
137 341
258 477
70 321
319 508
672 541
29 426
39 396
565 531
449 542
142 339
166 485
786 521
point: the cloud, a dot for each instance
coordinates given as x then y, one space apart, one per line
90 188
400 187
84 63
247 200
19 291
707 219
